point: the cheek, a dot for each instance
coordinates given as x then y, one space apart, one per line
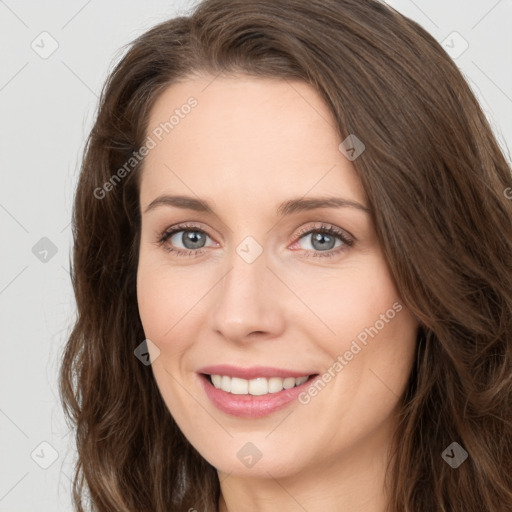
149 301
164 295
170 302
374 332
159 299
352 298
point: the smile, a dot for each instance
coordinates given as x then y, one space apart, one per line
255 387
253 398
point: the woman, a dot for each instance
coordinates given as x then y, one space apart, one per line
292 266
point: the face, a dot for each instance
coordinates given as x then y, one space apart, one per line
265 281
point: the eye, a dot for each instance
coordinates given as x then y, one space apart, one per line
191 237
324 241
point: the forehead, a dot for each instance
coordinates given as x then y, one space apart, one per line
257 138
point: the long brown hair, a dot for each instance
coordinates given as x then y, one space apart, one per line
436 180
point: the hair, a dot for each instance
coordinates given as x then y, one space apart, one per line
436 180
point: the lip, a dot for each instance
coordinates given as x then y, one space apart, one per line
252 406
253 372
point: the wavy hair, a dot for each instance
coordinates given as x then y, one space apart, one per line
437 183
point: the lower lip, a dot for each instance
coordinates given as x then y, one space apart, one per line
251 406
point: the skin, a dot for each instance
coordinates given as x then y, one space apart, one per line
249 145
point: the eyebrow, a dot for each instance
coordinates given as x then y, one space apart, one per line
286 208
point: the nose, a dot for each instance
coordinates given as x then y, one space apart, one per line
247 301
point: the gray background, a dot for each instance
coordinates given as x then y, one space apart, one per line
47 106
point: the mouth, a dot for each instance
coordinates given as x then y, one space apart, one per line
253 398
259 386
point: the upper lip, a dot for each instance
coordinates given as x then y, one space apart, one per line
252 372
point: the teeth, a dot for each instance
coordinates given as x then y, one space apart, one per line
258 386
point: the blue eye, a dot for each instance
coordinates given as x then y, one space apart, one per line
323 241
192 238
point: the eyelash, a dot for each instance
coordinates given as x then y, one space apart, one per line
327 229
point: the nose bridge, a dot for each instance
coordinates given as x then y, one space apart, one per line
246 297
